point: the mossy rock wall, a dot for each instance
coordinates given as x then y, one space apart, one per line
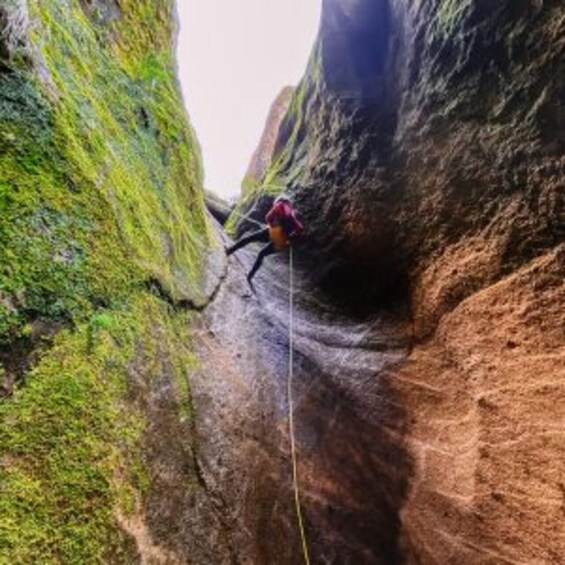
103 239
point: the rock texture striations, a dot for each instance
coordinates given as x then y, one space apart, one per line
424 149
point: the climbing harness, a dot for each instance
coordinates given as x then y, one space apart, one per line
291 413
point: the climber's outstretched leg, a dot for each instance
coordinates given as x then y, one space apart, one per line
269 249
261 235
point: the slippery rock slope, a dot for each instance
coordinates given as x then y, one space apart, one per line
424 149
349 423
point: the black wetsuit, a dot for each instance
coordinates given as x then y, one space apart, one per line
260 236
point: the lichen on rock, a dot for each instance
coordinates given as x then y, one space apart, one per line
14 27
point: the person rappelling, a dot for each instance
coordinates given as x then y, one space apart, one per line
282 229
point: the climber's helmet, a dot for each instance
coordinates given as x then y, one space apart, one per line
282 198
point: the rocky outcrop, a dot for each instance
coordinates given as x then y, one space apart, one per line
485 393
263 155
219 208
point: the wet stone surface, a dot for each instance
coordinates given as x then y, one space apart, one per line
353 469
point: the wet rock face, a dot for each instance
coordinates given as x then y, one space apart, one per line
350 424
424 152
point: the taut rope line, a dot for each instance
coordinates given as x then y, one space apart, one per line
291 414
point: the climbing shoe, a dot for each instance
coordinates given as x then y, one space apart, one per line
251 286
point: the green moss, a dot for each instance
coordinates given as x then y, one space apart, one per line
249 185
58 455
70 440
101 175
145 26
103 321
100 192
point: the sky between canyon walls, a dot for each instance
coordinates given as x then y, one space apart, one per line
234 58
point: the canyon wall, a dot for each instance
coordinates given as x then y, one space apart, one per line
146 409
104 243
424 151
263 155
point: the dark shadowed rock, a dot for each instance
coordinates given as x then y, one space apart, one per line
218 207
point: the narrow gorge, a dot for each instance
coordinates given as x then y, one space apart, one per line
144 414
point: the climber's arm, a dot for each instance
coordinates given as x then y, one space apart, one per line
274 214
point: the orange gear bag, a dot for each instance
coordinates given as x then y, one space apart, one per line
278 237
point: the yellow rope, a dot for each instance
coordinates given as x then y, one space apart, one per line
291 417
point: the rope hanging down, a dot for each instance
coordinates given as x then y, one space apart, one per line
299 516
291 414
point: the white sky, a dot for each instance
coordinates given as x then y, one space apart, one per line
234 57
